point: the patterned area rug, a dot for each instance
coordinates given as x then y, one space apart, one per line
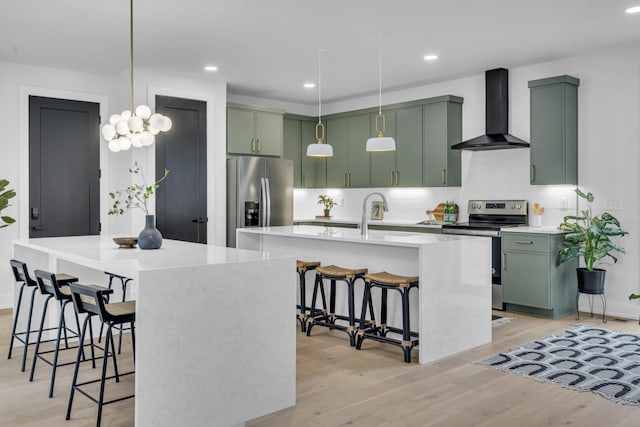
585 358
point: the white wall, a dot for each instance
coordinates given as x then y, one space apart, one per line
17 81
609 134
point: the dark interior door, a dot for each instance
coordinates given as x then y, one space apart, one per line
181 200
64 167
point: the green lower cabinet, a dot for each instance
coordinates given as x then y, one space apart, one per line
532 280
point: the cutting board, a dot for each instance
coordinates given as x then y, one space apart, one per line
438 212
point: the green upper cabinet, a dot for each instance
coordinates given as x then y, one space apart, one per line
292 147
253 132
308 172
350 164
442 128
554 130
403 167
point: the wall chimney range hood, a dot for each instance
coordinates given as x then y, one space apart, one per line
497 135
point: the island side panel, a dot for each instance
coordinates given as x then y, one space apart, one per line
455 297
216 343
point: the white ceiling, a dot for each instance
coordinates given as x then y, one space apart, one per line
268 48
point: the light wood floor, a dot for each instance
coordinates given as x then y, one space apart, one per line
339 386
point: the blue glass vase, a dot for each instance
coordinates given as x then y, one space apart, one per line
150 237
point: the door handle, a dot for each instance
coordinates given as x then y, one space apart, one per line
37 228
533 173
393 177
35 213
200 220
259 145
397 177
444 176
504 261
253 145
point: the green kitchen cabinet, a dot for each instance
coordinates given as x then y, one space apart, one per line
442 128
299 132
350 165
554 130
252 132
403 167
532 280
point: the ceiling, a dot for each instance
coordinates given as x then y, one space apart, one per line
268 48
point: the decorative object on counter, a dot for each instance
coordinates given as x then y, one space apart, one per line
450 213
328 203
380 142
377 210
5 196
134 127
137 196
319 148
573 360
439 212
536 220
589 238
126 242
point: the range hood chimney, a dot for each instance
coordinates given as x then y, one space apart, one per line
497 135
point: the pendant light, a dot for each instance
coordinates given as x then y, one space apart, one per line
134 127
380 142
319 148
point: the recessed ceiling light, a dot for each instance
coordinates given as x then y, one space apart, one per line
309 85
634 9
430 57
211 68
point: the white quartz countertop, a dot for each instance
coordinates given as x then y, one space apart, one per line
377 237
391 223
102 251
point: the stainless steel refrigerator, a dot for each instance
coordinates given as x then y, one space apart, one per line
259 194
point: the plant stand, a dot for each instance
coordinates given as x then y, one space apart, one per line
591 296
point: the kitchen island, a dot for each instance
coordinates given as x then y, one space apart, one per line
452 308
206 353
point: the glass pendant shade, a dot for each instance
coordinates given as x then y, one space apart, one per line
137 127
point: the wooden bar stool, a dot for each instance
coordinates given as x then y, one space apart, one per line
302 267
51 288
90 300
124 281
21 275
386 281
334 274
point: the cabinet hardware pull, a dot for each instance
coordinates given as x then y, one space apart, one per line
524 242
259 144
349 179
397 177
393 174
253 145
304 180
444 174
533 173
504 261
344 179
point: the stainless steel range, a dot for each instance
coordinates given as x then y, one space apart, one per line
487 218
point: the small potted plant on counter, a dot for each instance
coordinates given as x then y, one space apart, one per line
5 196
327 202
589 238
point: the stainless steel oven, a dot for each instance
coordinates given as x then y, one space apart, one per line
487 218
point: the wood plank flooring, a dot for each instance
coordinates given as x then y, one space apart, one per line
339 386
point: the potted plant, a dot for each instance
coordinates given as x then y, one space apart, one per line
5 196
136 196
327 202
589 238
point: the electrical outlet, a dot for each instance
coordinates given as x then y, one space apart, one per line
564 203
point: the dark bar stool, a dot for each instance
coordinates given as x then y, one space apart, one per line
124 281
51 288
90 300
21 275
328 320
302 267
386 281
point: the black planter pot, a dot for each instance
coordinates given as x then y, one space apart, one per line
591 282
